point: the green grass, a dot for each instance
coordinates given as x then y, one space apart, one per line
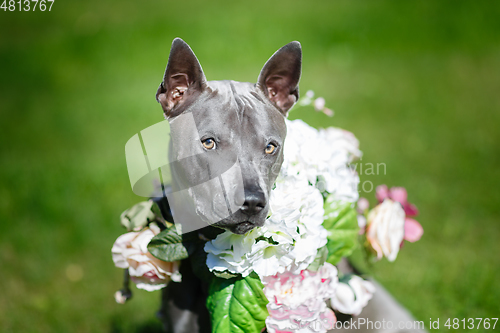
417 82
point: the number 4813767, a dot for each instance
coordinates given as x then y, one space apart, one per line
26 5
470 323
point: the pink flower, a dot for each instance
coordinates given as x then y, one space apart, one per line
413 229
363 205
319 105
297 301
398 194
362 208
328 112
382 192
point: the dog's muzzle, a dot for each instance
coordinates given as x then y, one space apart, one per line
250 215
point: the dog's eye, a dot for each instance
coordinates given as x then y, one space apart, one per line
208 143
270 148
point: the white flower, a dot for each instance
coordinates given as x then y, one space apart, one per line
314 162
297 300
130 251
352 296
238 253
122 296
343 141
361 223
309 94
385 230
307 98
322 157
319 103
363 205
289 240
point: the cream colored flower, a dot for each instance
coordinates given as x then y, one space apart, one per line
130 251
353 295
385 229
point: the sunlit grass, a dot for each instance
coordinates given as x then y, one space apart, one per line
416 82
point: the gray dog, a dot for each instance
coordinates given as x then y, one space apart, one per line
227 129
230 132
227 146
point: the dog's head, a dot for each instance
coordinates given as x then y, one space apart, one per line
227 137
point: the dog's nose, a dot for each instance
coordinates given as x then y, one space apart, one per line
254 202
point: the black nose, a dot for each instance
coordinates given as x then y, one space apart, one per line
255 201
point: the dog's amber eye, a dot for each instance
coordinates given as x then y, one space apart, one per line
208 143
270 148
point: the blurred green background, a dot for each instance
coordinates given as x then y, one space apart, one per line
418 82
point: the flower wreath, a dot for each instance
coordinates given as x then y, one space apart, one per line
282 275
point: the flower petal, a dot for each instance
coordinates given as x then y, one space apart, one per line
410 209
149 273
398 194
363 205
385 229
382 192
413 230
319 103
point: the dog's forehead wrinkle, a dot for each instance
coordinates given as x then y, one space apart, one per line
231 104
242 95
237 100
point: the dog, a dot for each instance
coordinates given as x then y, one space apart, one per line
233 133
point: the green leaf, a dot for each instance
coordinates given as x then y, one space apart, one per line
320 259
342 223
168 245
138 216
237 305
361 257
225 274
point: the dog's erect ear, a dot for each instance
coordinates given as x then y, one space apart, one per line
183 77
279 78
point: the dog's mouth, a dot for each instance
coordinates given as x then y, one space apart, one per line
240 223
242 227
